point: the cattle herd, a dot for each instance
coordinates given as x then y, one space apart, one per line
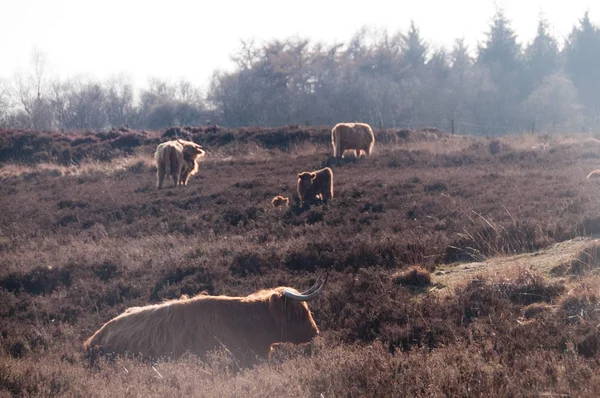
240 325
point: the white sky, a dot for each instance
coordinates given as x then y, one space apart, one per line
174 39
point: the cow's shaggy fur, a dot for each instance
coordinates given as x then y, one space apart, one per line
177 158
594 175
352 136
242 325
315 185
279 201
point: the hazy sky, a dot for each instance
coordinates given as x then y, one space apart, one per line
173 39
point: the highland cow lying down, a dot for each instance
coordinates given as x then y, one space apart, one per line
242 325
315 185
352 136
178 159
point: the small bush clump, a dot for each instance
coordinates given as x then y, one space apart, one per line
415 276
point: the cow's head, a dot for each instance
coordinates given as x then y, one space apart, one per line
191 150
306 176
305 180
295 320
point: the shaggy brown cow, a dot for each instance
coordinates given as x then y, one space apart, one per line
178 159
243 325
315 185
279 201
352 136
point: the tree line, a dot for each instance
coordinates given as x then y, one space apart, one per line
389 80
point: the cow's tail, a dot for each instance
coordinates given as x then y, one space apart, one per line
335 142
88 345
330 172
371 138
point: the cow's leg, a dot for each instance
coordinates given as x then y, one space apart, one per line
357 151
180 175
184 177
160 175
175 177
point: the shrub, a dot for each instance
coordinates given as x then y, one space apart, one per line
495 147
415 276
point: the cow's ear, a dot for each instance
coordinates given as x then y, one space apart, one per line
276 304
300 175
313 176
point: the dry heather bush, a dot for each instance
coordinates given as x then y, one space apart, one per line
349 370
135 164
281 352
581 310
489 238
591 225
485 296
414 276
586 262
495 147
535 309
441 146
580 306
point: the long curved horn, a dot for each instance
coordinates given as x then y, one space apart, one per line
306 297
315 286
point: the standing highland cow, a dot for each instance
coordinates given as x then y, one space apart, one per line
243 325
352 136
178 159
315 185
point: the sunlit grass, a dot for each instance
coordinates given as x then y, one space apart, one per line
85 168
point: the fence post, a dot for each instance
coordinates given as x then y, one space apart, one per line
533 128
452 126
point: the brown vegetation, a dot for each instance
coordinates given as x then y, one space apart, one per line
83 242
414 276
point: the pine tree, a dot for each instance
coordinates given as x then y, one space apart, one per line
460 54
415 52
501 53
582 57
501 56
542 57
